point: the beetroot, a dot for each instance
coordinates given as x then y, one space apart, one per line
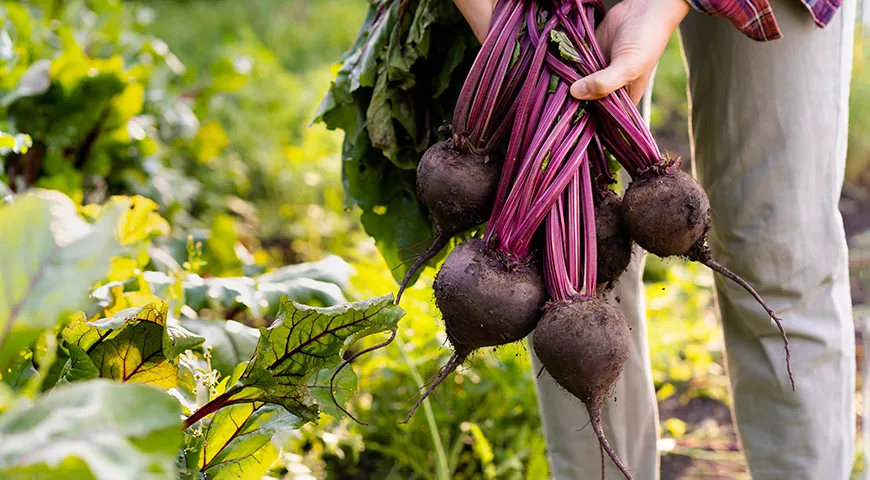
458 190
457 178
583 344
491 291
487 298
668 214
614 240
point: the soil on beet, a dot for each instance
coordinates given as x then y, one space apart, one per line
583 344
614 242
487 299
667 214
457 188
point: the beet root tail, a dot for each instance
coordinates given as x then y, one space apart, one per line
595 419
719 268
346 363
437 245
455 361
603 466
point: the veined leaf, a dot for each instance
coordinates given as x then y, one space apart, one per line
304 340
237 441
49 260
97 429
134 345
294 355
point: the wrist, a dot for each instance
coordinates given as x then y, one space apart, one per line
669 13
478 14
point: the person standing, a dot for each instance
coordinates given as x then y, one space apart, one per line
768 85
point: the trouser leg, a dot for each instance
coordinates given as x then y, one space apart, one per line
631 413
769 125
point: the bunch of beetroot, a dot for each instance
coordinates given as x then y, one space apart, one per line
530 161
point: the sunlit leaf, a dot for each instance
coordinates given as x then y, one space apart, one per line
343 387
304 340
141 222
49 260
135 345
301 344
96 429
238 440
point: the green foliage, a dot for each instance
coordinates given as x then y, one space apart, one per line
858 159
394 91
97 429
76 360
206 124
236 442
50 258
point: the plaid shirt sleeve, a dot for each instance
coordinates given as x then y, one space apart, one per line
755 17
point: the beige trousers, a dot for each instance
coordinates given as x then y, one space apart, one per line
768 127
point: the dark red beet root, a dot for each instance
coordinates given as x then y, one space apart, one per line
666 214
614 241
583 344
486 300
669 215
458 190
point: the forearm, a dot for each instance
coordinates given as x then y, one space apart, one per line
478 14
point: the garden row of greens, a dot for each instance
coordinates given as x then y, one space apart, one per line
117 358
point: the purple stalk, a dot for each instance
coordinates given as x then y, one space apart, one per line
536 170
526 183
519 128
547 197
473 79
494 74
556 276
590 236
539 109
574 241
616 128
599 162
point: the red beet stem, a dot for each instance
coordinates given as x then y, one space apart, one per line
590 240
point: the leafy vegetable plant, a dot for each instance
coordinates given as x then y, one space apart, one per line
116 386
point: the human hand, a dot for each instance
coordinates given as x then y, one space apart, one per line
633 35
478 14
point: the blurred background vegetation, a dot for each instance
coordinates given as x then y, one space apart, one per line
205 107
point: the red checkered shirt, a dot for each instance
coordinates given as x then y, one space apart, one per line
755 17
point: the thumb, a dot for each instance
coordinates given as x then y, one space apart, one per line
606 81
